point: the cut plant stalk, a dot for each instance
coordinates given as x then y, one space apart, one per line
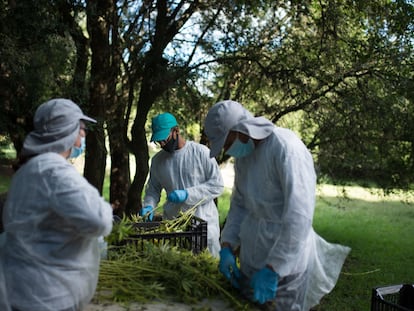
160 272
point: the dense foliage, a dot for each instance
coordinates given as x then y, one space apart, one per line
337 72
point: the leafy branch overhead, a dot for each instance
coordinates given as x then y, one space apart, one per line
338 73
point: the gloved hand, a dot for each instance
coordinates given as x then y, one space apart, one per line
264 283
147 212
177 196
228 266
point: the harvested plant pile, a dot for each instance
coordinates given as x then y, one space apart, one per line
161 272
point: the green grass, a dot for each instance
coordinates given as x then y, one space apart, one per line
7 150
223 205
4 183
378 228
380 231
7 153
5 180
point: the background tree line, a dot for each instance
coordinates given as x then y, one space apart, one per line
338 72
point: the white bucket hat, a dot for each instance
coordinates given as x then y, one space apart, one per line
228 115
56 127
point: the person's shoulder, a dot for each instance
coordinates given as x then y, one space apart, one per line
58 163
159 157
283 131
288 140
48 167
198 147
195 144
47 160
285 134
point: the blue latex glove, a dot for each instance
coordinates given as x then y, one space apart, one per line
264 283
228 266
147 212
177 196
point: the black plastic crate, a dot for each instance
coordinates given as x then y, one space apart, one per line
393 298
194 238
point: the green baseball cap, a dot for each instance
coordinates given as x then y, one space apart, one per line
162 125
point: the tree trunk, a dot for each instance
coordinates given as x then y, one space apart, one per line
117 123
156 79
78 91
98 28
120 180
139 148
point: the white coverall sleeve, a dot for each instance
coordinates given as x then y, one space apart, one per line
81 204
4 300
298 181
210 186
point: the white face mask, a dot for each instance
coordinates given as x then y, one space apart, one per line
239 149
77 151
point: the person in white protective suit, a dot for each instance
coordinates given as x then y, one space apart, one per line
284 264
189 176
52 218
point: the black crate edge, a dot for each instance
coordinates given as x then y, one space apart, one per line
194 238
387 298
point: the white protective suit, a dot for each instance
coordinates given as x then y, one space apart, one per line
192 169
4 297
271 218
52 218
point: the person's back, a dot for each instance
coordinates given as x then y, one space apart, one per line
49 235
2 201
52 220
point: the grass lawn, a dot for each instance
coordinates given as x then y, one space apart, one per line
380 231
378 228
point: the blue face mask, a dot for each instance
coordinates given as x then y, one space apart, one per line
239 149
77 151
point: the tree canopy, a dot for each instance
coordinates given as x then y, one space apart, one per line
339 73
